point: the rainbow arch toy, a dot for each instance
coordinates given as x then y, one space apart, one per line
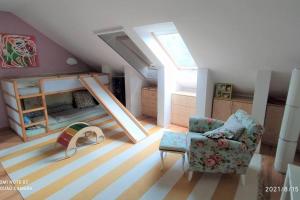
70 135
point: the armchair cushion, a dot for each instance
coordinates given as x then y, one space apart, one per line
202 124
232 129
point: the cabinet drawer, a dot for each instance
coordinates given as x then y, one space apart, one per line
181 114
183 110
149 111
183 100
241 105
149 102
149 93
180 120
149 106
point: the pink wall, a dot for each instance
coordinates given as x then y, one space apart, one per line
52 57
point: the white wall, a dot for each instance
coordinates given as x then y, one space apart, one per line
261 94
205 90
232 38
187 80
167 72
133 90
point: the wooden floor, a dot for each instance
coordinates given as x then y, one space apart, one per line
8 139
269 176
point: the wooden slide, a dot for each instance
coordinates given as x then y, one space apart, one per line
132 127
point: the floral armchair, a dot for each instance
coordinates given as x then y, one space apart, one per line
221 155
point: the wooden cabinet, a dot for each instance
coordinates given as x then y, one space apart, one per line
244 105
272 126
273 119
149 101
183 107
222 109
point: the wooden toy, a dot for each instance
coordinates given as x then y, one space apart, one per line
69 137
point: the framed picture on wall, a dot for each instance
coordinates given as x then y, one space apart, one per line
17 51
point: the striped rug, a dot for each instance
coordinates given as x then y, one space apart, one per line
116 169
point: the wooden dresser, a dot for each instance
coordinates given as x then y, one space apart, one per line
149 101
222 108
183 107
273 119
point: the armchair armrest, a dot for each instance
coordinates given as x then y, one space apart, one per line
217 155
203 124
197 141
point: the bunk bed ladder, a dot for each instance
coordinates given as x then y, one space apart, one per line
43 108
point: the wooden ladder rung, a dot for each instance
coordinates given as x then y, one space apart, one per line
35 123
33 110
31 96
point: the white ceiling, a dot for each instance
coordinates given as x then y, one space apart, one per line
234 38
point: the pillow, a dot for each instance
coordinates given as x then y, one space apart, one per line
232 124
232 129
27 120
83 99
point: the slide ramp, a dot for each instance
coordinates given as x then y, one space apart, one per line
133 128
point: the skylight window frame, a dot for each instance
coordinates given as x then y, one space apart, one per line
179 67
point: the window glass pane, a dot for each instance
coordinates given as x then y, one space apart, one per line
177 49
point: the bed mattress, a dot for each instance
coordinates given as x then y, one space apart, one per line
65 118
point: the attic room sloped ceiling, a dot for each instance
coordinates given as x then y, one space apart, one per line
232 38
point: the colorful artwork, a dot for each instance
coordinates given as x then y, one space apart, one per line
17 51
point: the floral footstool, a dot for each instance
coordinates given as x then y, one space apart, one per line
173 143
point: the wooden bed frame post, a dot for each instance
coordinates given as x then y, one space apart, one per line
20 110
44 104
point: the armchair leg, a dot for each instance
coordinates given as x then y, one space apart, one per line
162 160
243 179
190 176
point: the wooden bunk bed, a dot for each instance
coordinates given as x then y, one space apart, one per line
16 91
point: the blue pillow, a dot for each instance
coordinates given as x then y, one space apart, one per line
27 120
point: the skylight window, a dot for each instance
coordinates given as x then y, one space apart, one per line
176 49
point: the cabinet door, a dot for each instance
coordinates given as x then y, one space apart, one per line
241 105
274 115
221 109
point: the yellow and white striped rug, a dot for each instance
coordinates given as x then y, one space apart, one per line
116 169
